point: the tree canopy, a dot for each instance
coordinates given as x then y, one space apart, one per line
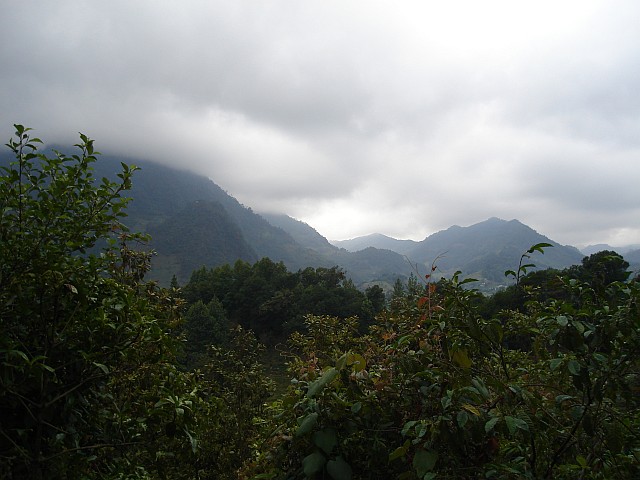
268 299
90 385
105 375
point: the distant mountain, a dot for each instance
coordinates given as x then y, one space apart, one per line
483 251
365 266
633 257
301 232
622 250
376 240
374 265
486 249
201 234
194 223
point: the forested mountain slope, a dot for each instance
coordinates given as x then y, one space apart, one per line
489 248
195 223
366 265
483 251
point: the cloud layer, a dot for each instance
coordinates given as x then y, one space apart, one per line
355 116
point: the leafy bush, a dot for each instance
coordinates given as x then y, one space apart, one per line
88 383
436 391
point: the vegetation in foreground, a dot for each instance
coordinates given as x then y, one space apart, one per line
104 375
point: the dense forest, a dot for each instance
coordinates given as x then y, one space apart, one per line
106 375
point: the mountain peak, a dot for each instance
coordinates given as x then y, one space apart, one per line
375 240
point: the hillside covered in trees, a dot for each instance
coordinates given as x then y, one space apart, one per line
195 223
104 374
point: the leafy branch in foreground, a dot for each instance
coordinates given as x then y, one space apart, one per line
77 322
524 268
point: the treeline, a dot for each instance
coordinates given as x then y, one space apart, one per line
104 375
273 302
598 270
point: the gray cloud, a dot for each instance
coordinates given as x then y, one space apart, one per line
353 116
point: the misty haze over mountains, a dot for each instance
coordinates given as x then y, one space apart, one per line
195 223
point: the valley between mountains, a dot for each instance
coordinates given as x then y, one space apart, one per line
194 223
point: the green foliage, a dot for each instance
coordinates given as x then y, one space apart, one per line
598 271
268 299
204 326
237 388
602 269
203 233
88 387
541 383
436 390
524 267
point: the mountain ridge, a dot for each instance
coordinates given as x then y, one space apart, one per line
484 250
194 222
376 240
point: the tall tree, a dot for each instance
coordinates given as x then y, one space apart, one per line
603 268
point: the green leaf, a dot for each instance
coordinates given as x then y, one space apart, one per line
16 353
307 424
461 357
491 423
514 424
539 247
325 439
495 332
554 363
424 461
462 417
480 386
193 440
577 412
400 451
574 367
316 386
342 362
408 426
339 469
471 408
600 357
313 463
357 362
102 367
563 398
48 368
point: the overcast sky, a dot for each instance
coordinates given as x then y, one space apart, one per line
401 117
